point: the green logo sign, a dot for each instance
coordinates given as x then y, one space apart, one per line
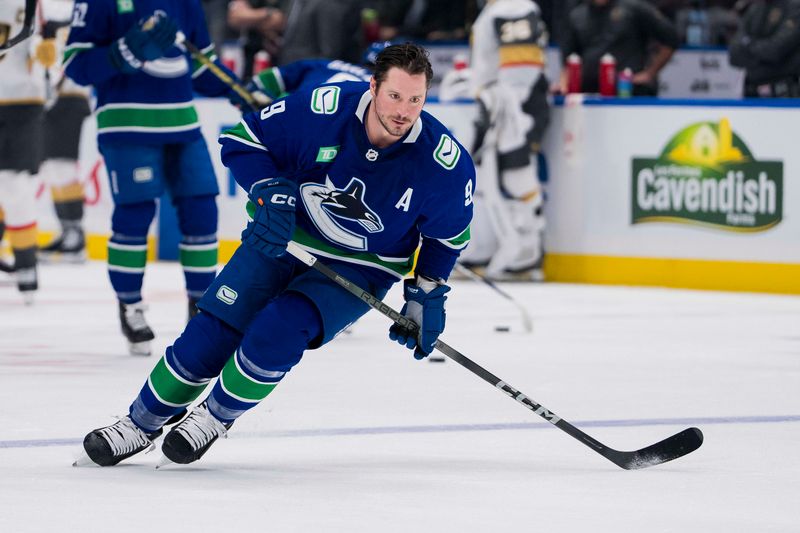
327 154
707 176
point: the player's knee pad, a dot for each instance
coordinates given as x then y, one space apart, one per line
281 332
197 215
520 183
18 198
59 172
204 347
133 219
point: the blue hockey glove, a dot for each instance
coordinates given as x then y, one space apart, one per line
148 40
260 100
272 226
425 306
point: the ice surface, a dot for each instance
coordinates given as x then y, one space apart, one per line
361 437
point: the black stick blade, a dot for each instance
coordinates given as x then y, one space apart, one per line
668 449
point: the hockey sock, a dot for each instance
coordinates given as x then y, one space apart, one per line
197 218
127 249
274 343
68 201
183 372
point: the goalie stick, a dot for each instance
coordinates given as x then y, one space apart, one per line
673 447
27 26
527 322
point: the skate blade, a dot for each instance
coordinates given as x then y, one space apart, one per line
83 460
140 348
163 462
54 258
28 297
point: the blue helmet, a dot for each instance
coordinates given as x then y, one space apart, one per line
372 51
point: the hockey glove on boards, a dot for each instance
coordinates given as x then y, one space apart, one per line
148 40
273 221
425 306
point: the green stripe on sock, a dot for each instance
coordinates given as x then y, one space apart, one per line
127 258
172 390
241 386
206 258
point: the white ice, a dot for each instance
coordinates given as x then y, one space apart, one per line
361 437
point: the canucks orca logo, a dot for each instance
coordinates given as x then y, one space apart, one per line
330 208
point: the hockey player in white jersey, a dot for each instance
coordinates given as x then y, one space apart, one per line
507 79
21 108
65 111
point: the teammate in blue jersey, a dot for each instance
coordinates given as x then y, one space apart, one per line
276 82
149 135
280 81
358 175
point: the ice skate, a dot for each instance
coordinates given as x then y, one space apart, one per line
135 329
190 440
109 445
27 283
69 247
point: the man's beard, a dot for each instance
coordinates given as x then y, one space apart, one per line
391 128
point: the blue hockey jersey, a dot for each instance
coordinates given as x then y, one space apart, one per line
308 73
153 105
359 203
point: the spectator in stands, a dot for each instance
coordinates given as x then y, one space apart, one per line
707 22
260 23
624 29
432 20
767 47
322 29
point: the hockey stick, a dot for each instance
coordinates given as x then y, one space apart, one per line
27 26
668 449
527 322
223 76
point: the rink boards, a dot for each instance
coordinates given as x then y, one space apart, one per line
695 194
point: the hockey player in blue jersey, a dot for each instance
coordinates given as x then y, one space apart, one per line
358 175
276 82
149 135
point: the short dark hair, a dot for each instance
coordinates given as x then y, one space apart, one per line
409 57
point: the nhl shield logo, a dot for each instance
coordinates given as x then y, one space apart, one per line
371 155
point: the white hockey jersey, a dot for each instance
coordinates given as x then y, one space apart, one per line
21 80
508 40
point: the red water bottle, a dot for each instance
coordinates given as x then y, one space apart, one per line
573 73
608 75
261 61
460 62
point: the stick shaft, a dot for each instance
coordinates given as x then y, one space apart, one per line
223 76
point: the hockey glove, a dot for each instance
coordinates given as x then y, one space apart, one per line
425 307
260 99
272 226
148 40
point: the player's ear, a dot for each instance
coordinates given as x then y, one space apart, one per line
373 86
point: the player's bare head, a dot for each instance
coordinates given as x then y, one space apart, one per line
409 57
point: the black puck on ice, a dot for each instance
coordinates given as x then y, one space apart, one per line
502 329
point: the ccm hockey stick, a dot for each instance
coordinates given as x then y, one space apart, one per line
527 322
27 26
668 449
252 102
